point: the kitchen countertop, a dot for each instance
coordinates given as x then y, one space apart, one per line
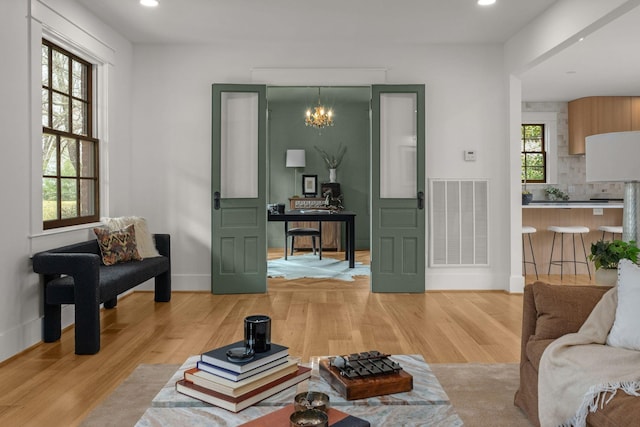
574 204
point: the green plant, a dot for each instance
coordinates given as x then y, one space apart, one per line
333 161
554 193
605 254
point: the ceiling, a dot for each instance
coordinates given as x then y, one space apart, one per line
603 64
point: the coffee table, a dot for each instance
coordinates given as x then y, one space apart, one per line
426 405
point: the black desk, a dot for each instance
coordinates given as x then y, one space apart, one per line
348 217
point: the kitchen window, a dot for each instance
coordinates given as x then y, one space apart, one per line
70 173
533 156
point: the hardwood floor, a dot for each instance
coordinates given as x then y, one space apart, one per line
50 385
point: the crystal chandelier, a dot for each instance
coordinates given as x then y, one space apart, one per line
320 117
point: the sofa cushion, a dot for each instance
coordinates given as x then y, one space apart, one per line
117 246
558 313
625 332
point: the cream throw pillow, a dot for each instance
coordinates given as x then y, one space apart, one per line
625 332
144 239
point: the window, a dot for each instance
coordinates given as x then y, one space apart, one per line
533 154
69 151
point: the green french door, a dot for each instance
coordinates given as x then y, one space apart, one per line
238 187
397 189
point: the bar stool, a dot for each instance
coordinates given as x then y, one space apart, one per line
573 230
528 230
613 229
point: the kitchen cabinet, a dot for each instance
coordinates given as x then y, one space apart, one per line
601 114
330 229
635 113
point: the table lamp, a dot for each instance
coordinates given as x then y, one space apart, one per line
614 157
295 159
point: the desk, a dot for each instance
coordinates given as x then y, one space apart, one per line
427 404
322 215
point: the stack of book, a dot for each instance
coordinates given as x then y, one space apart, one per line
237 385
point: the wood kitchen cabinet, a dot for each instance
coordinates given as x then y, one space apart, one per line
330 230
601 114
635 113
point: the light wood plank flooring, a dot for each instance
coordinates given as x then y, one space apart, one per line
50 385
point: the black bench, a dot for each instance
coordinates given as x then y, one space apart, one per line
75 274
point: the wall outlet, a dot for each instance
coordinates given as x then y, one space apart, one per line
469 155
598 211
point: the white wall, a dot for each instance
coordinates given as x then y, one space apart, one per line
466 106
22 25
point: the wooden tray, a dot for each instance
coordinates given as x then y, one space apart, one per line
361 388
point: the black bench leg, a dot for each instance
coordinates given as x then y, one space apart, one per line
88 327
111 303
52 322
163 287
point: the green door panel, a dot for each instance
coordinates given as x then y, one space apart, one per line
398 256
238 224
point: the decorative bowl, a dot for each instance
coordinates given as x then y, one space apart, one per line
311 400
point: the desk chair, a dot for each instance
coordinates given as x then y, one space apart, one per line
303 231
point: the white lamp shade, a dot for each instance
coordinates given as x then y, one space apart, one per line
613 157
296 159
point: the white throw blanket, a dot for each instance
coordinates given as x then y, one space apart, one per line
579 373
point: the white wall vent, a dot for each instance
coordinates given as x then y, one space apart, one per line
459 223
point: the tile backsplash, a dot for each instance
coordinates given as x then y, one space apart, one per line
571 168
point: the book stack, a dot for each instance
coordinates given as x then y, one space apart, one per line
237 385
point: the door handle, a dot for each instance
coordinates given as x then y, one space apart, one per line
420 199
216 200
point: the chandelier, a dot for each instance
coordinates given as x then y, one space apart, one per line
320 117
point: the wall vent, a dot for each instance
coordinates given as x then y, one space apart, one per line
459 223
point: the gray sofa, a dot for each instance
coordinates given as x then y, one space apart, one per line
75 274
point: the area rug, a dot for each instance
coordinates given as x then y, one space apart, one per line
308 265
481 394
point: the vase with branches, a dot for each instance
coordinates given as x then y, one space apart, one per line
332 160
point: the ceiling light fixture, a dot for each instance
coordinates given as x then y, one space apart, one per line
486 2
320 117
149 3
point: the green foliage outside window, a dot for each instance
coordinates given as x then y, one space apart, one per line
533 154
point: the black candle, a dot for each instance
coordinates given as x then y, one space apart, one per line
257 333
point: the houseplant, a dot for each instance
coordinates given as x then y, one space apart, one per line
332 161
605 256
554 193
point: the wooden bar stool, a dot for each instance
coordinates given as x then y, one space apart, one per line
528 231
613 229
573 230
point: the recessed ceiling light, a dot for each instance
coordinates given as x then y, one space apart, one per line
486 2
149 3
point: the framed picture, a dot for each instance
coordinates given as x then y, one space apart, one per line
310 185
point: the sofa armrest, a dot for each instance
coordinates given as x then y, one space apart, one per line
163 244
529 318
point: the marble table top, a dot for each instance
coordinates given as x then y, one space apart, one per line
426 404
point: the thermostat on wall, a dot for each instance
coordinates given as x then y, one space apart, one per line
469 155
